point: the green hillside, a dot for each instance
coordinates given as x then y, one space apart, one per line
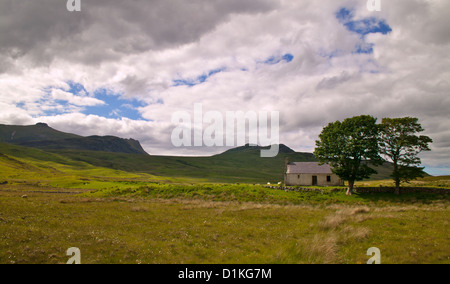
237 167
37 169
240 165
40 132
42 136
92 143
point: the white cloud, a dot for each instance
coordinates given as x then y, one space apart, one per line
12 115
138 48
61 95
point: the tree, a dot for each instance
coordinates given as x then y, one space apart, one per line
349 147
400 144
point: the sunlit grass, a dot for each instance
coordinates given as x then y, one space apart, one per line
49 204
40 228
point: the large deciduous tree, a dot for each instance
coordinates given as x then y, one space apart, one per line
349 147
400 144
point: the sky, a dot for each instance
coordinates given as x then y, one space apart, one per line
124 68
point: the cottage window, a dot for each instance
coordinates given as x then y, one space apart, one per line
328 178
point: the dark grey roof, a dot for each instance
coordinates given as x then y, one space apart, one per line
308 168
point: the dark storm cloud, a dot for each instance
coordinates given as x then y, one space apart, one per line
28 26
107 29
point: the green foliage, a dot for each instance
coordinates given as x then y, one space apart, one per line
348 145
352 146
400 144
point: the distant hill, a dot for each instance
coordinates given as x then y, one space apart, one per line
92 143
283 149
242 164
42 136
40 132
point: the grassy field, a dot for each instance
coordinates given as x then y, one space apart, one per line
50 202
436 182
134 229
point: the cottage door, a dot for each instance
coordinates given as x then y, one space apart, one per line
314 180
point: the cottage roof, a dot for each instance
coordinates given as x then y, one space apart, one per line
308 168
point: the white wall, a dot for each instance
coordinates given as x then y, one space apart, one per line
307 179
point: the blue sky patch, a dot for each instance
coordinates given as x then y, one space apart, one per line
76 88
277 59
198 80
115 106
369 26
344 15
362 27
365 48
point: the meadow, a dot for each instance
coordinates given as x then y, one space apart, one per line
50 202
226 224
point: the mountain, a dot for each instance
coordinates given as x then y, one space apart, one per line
242 164
92 143
256 150
42 136
40 132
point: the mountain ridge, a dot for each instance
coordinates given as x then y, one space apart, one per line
44 137
240 164
251 148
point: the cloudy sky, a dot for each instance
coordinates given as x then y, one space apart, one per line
124 68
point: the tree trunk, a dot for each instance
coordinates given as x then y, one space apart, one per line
351 184
397 187
396 177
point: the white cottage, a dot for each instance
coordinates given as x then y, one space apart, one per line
310 174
